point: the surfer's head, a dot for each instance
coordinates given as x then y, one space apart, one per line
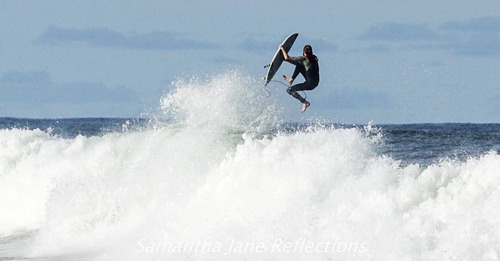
308 50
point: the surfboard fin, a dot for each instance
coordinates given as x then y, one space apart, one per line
267 65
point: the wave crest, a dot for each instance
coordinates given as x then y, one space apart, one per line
226 100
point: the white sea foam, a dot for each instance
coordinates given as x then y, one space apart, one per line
209 186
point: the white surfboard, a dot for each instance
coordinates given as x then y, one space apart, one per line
278 57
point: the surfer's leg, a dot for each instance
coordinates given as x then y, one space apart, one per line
292 90
305 86
301 87
298 69
297 96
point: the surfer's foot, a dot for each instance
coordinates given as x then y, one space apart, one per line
287 79
305 105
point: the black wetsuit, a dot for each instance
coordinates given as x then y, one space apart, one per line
309 68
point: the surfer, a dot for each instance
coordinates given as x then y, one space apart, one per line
307 65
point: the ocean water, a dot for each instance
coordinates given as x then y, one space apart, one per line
212 176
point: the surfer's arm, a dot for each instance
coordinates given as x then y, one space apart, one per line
285 54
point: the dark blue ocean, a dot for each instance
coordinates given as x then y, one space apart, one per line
211 176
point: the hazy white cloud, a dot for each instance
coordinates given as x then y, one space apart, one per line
38 86
482 44
391 31
476 37
255 45
224 60
348 98
35 94
496 103
109 38
481 24
479 36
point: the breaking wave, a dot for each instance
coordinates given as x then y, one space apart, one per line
218 179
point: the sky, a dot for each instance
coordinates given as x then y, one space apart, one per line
388 61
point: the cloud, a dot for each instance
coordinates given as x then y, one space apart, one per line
477 37
496 103
398 32
378 48
320 45
223 60
358 99
372 48
483 44
18 78
254 45
105 37
481 24
38 87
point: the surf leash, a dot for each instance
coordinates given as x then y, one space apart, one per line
280 82
267 92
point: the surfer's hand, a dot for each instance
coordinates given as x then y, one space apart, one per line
283 51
